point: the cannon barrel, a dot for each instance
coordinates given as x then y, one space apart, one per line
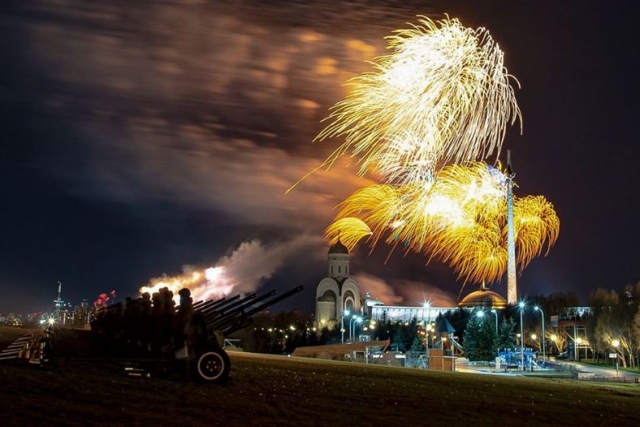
216 322
223 310
239 319
224 305
274 300
220 310
207 305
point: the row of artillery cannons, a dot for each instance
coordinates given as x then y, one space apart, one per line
152 334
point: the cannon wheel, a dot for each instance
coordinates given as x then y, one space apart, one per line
212 365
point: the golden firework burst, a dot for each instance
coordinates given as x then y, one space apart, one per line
442 95
459 219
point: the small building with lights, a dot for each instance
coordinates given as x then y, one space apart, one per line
403 314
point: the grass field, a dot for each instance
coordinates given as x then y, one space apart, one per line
81 390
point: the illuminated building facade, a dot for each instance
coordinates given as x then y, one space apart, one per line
338 291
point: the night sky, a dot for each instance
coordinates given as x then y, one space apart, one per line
139 139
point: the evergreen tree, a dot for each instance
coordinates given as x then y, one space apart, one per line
412 330
400 338
470 338
506 334
417 345
479 339
383 329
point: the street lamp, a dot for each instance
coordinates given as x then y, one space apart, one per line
521 305
344 313
615 344
495 313
578 345
428 328
544 346
352 328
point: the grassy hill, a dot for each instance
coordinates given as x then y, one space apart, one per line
81 389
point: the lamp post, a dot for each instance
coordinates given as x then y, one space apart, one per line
352 328
495 313
428 328
615 344
521 305
480 315
344 313
544 346
578 345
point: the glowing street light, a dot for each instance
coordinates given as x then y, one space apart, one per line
521 305
344 313
495 313
352 328
616 344
544 346
578 345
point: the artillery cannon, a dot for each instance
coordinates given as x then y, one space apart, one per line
154 335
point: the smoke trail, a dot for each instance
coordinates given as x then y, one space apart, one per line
243 271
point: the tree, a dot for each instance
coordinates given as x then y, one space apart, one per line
556 340
598 328
614 324
383 329
506 334
401 338
417 344
479 339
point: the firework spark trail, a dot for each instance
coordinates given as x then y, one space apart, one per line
349 230
536 226
376 205
442 95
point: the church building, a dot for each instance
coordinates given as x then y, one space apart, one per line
337 292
